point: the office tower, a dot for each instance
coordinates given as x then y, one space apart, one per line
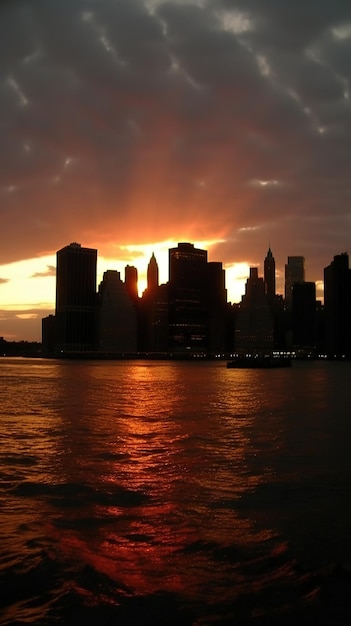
303 314
337 306
216 292
131 281
48 335
186 265
269 275
153 320
188 311
294 273
75 298
254 321
152 274
217 307
153 313
117 320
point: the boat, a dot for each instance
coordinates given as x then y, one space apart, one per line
256 361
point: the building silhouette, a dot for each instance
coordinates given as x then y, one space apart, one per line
217 310
188 318
337 307
190 313
75 320
152 274
117 318
303 315
254 319
269 275
131 281
294 273
153 313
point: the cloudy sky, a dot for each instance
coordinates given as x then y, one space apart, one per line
131 125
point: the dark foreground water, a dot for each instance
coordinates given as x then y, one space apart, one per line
169 493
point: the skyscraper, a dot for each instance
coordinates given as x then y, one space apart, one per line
188 312
187 265
303 315
75 298
152 274
337 306
117 318
269 275
131 281
254 321
217 307
294 273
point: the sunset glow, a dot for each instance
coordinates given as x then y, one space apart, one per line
161 122
28 292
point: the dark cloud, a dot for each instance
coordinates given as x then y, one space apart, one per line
50 271
133 121
3 281
17 325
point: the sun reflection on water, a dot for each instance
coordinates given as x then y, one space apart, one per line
150 475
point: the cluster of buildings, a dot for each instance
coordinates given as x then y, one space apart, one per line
190 315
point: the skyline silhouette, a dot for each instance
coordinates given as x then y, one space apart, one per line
228 126
190 313
279 285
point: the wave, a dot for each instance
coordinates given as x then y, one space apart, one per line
41 596
73 494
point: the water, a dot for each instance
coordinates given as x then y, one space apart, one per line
170 493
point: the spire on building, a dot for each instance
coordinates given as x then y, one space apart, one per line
152 274
269 275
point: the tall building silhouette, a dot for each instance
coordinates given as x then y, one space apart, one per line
269 275
303 315
188 313
131 281
117 319
75 298
337 306
152 274
254 320
294 273
153 312
217 307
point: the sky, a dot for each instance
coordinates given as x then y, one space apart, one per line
131 125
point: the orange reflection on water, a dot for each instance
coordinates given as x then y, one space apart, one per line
136 478
171 467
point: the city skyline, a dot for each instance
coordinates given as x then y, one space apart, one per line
267 270
159 121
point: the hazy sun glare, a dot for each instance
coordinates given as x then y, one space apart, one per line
28 284
31 283
236 276
139 256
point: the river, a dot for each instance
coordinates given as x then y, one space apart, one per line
174 493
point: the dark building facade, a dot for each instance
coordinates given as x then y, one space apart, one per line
269 276
303 315
188 313
337 307
131 281
117 318
217 308
254 319
152 274
75 314
153 313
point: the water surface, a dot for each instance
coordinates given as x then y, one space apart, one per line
148 492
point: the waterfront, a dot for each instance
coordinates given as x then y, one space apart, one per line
182 493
